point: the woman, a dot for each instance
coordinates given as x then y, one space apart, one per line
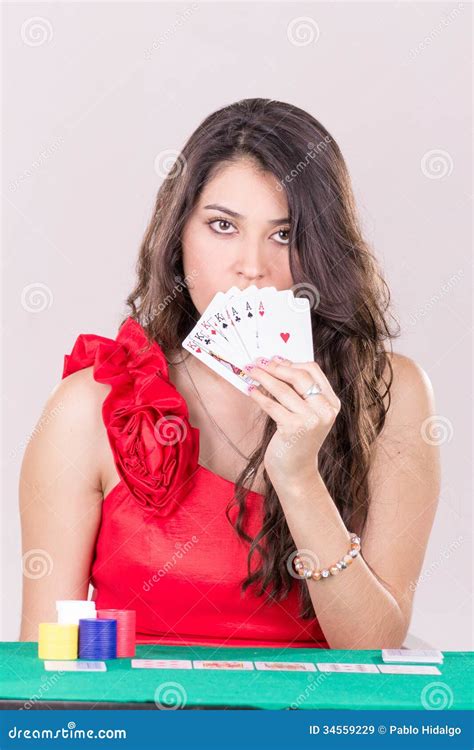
177 495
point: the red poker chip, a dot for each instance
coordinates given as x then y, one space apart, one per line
126 629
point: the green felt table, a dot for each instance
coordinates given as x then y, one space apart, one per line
24 679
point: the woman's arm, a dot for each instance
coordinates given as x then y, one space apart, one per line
60 499
361 609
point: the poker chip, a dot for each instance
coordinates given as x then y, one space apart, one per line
70 611
97 639
126 627
57 640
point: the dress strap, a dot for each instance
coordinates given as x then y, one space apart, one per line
155 448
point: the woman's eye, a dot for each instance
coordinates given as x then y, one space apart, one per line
283 240
223 225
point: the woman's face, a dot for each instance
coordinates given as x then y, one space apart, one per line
237 234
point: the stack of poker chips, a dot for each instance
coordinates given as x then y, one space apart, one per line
82 631
97 639
126 627
57 640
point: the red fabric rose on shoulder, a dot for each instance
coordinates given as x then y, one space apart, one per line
155 448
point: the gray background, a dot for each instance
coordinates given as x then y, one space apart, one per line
95 96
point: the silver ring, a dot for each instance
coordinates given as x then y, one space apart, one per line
312 391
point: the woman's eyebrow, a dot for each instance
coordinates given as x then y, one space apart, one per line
216 207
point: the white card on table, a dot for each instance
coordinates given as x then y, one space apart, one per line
230 665
161 664
335 667
417 655
75 666
408 669
285 666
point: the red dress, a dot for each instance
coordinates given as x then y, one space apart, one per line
165 546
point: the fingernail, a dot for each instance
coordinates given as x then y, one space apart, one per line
263 361
250 388
280 359
249 367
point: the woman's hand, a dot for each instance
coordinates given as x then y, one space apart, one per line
302 423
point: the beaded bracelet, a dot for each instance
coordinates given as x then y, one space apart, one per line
316 574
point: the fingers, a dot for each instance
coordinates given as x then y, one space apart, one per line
288 384
287 403
318 376
274 409
276 384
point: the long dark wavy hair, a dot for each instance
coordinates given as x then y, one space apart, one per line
330 263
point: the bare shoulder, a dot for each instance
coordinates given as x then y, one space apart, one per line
411 390
70 429
61 492
408 439
80 394
404 483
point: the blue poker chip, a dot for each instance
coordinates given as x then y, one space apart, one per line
97 639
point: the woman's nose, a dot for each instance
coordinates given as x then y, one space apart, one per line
251 261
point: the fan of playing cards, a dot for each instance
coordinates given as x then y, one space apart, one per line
238 326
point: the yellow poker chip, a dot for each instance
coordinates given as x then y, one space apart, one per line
57 640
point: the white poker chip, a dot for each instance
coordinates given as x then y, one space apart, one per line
70 611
